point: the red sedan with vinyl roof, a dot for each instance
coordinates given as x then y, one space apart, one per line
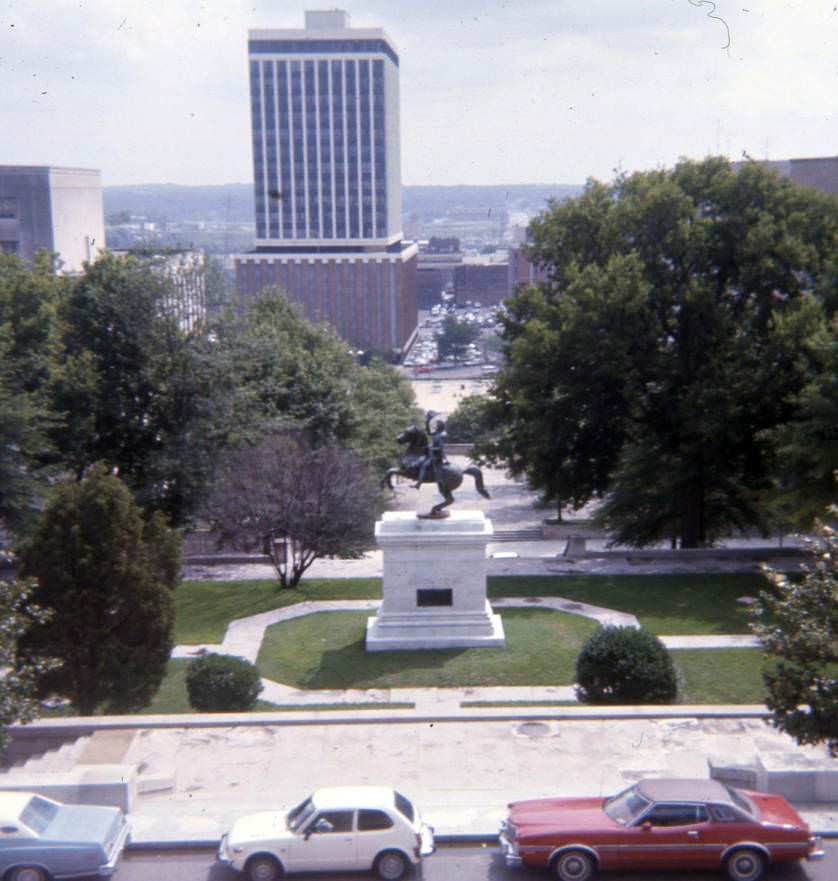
658 824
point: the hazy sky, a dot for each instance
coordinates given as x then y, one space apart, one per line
522 91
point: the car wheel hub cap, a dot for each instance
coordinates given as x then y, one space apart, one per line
574 867
391 867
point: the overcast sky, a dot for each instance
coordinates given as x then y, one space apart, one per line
492 92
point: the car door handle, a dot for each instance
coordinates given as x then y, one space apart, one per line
692 834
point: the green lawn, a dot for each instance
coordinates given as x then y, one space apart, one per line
203 609
720 676
326 650
664 604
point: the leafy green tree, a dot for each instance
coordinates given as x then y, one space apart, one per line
135 391
453 339
649 369
295 502
108 576
288 371
797 622
807 447
384 405
469 422
18 682
28 297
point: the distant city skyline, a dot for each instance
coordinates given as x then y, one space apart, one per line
493 92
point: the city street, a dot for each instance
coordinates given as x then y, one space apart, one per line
463 863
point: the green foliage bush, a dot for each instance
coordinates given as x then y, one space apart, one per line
623 665
222 683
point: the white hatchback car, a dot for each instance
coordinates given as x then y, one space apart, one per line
335 829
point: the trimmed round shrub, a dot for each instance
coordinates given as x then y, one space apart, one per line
623 665
222 684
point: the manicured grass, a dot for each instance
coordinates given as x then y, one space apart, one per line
664 604
203 609
720 676
172 697
326 650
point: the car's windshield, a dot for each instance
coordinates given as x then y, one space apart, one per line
743 802
625 807
38 814
300 815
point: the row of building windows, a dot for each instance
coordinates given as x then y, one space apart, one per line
308 151
357 303
323 47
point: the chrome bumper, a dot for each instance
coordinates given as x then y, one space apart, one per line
510 850
223 855
817 852
427 843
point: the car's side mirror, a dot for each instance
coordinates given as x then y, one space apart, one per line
322 825
646 825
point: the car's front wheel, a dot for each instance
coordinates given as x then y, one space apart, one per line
574 865
746 864
263 867
27 873
391 865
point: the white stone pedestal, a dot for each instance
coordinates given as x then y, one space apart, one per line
434 583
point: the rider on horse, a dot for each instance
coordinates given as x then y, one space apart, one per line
435 455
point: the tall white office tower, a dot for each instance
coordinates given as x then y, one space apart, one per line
327 178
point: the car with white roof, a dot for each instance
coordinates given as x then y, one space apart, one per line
335 829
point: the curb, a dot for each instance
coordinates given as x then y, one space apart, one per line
475 839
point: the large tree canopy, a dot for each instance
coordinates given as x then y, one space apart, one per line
108 577
651 368
28 297
131 389
287 371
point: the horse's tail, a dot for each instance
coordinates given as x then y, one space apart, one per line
477 474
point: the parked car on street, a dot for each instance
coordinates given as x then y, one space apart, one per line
658 824
335 829
41 839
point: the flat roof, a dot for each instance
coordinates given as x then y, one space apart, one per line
684 789
354 797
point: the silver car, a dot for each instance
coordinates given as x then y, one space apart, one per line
42 839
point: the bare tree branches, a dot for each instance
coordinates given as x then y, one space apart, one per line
295 502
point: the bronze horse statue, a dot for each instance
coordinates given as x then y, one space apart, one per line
447 478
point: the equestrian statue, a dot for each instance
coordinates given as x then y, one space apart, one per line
424 462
